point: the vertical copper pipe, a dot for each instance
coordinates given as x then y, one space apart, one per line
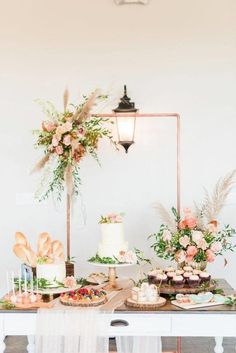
178 186
68 219
179 344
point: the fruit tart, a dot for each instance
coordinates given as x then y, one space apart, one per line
84 297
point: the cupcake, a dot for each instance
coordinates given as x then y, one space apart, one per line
196 272
186 275
169 269
179 272
178 281
194 281
205 277
158 278
170 275
188 269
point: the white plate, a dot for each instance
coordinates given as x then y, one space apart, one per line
194 306
110 265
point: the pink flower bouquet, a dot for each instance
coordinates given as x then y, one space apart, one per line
66 138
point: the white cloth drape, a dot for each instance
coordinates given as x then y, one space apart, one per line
72 331
138 344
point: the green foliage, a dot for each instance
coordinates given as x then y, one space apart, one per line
103 260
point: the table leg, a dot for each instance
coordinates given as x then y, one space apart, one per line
31 344
219 345
2 343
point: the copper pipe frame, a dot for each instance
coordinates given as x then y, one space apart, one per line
68 225
175 116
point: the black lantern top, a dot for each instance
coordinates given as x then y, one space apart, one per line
125 106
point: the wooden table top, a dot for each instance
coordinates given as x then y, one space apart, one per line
166 309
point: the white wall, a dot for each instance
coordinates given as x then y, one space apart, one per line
174 56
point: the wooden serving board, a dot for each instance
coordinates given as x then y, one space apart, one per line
145 305
168 289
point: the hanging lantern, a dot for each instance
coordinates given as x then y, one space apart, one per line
125 121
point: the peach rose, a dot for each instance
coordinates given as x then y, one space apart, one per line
189 220
210 256
212 227
189 258
60 130
59 150
184 241
131 257
166 235
180 256
192 250
216 247
70 282
67 140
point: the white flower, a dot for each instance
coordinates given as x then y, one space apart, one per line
167 235
130 257
197 236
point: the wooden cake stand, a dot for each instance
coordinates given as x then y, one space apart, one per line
112 284
168 289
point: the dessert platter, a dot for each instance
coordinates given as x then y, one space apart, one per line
84 297
97 278
200 300
145 297
184 281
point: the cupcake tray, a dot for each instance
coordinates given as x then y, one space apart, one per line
169 289
145 305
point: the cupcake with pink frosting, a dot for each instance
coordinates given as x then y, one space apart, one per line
205 277
194 281
178 281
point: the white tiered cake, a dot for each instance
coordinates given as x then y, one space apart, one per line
52 272
113 240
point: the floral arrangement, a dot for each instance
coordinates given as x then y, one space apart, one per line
112 218
66 137
196 237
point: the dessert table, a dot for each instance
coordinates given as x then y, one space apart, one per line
169 320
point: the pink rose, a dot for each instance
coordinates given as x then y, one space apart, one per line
114 218
189 258
216 247
192 250
212 227
67 140
180 256
197 236
70 282
130 257
59 150
202 244
184 241
210 256
166 235
55 141
48 126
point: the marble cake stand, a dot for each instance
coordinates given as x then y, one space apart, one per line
112 282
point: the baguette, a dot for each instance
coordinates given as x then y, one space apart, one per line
44 245
57 250
26 255
22 239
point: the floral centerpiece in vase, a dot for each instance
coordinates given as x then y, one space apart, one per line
66 138
196 238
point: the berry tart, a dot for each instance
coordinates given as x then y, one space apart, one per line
84 297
